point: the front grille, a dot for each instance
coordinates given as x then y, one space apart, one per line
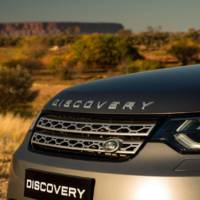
79 144
114 129
84 137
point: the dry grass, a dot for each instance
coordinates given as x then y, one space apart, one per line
9 53
46 91
12 131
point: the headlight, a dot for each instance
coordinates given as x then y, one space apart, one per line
181 134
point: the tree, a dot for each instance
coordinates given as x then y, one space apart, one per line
184 52
104 50
193 34
15 89
152 38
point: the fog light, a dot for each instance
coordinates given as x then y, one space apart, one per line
112 145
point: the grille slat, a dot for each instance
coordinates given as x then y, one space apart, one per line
90 135
114 129
81 144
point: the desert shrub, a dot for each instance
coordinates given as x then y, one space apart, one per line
103 50
34 52
125 33
56 62
62 66
67 70
59 40
143 65
15 89
185 52
33 47
127 49
152 38
193 34
28 64
9 41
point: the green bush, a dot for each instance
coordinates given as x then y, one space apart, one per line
184 52
15 90
59 40
103 50
63 67
56 62
143 65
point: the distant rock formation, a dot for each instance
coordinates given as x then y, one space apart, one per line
41 28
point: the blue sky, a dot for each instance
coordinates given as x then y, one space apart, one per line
173 15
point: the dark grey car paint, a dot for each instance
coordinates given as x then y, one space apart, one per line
173 91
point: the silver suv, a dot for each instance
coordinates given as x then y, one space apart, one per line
134 137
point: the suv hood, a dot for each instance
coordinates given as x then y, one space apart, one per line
166 91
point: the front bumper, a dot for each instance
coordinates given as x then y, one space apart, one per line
157 172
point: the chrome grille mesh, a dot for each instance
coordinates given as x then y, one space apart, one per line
81 144
85 136
115 129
